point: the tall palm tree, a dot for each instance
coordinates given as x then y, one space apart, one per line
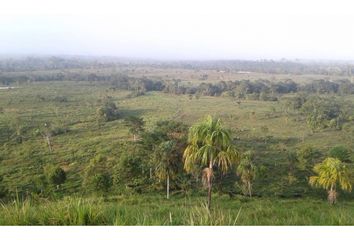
167 162
330 173
209 146
246 170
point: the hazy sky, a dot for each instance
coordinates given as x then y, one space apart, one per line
180 29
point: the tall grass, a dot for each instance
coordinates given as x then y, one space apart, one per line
154 210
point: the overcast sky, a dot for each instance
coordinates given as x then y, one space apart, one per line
180 29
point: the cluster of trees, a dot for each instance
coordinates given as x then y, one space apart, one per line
173 156
261 89
321 111
256 90
178 158
108 111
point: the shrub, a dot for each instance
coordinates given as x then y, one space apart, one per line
102 182
57 176
108 112
340 152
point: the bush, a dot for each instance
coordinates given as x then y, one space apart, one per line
132 170
57 176
108 112
306 157
102 182
340 152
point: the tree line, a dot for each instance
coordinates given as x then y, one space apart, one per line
283 66
261 89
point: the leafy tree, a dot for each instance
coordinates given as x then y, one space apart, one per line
108 112
97 175
135 124
306 156
330 173
57 176
324 112
132 168
340 152
246 171
102 182
167 162
209 146
165 131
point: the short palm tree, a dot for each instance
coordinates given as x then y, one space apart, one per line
330 173
246 170
209 146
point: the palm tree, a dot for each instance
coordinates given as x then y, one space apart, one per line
330 173
246 171
209 145
167 162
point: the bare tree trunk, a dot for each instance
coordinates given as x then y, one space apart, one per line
168 187
134 137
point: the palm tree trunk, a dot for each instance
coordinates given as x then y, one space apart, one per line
332 195
210 184
249 189
49 143
209 193
168 187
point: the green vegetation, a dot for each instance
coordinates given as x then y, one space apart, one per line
130 145
157 211
209 146
331 172
247 172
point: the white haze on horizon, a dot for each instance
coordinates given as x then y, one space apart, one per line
179 29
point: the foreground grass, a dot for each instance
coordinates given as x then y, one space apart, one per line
154 210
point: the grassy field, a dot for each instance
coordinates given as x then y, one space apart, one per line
156 211
32 105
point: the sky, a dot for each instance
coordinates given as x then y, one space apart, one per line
179 29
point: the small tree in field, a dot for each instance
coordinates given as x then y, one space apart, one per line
102 182
166 161
57 176
246 171
107 112
330 174
135 124
97 176
209 146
